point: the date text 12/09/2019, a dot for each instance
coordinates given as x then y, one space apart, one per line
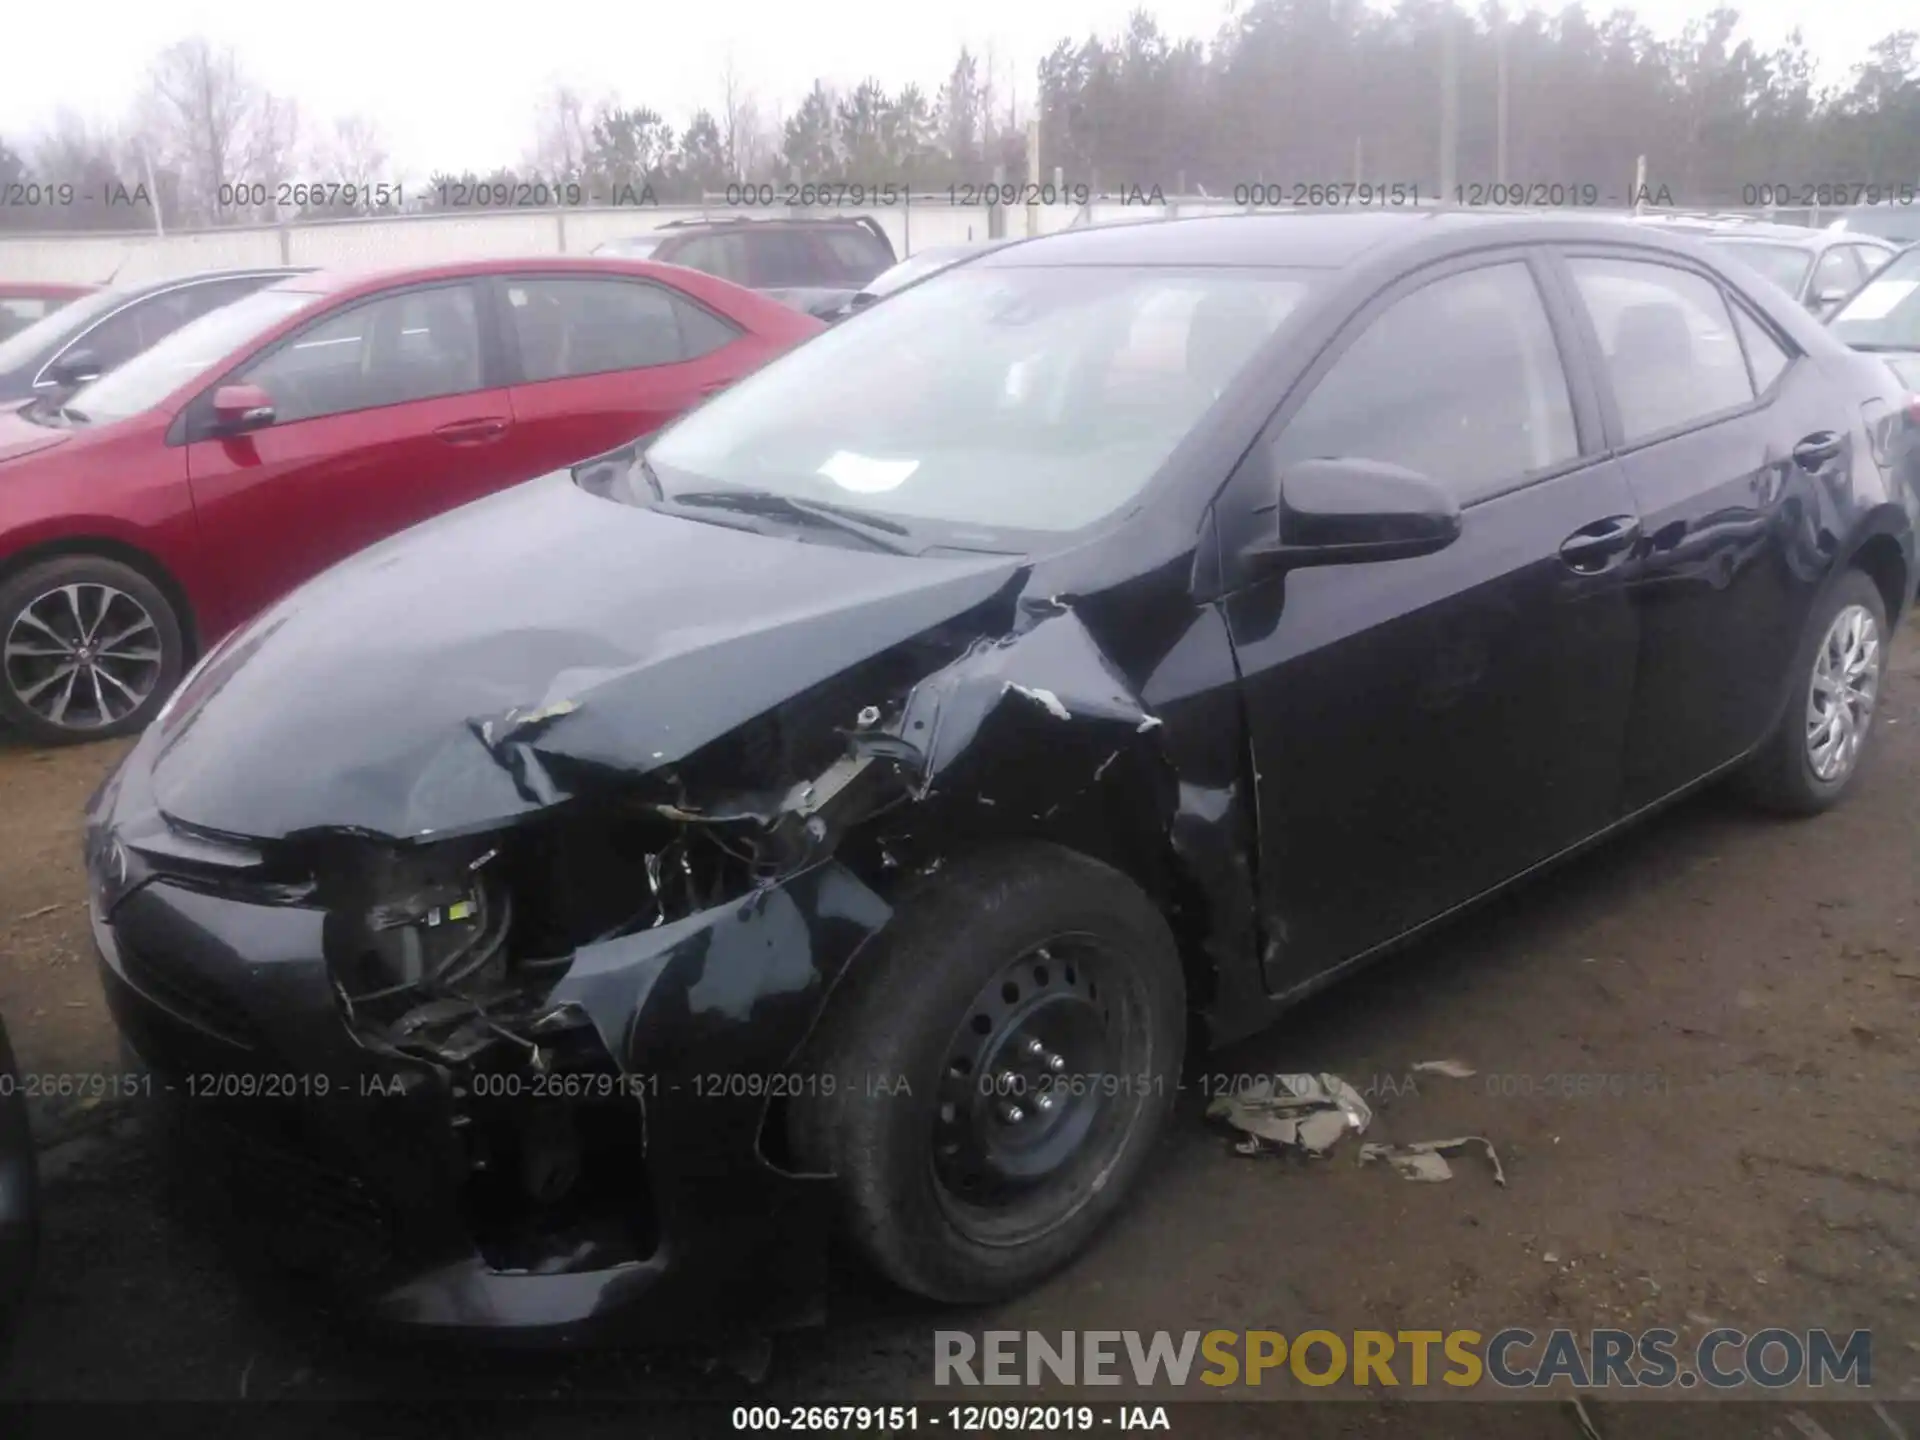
952 1419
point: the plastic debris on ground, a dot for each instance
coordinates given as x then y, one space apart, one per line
1306 1113
1426 1159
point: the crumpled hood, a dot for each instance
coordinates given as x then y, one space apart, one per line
20 437
422 686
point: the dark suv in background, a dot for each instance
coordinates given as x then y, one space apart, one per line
816 265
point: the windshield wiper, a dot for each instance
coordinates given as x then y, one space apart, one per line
807 512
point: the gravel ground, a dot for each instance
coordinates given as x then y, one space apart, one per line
1754 984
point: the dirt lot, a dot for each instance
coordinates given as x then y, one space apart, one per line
1765 975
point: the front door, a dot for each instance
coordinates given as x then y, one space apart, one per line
382 417
1424 729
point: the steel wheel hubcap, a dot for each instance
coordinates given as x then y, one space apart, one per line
82 656
1846 681
1022 1086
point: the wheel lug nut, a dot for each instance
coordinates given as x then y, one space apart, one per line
1012 1114
1044 1101
1034 1047
1056 1063
1008 1082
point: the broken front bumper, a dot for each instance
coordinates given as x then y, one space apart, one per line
368 1154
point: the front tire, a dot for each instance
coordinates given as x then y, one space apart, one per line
89 649
1032 1002
1809 762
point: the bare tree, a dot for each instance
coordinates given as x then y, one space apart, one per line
217 129
563 132
736 106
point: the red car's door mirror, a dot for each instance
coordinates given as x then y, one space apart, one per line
240 408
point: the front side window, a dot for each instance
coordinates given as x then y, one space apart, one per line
140 326
1886 314
1667 341
587 327
52 330
415 345
188 352
1032 398
1460 380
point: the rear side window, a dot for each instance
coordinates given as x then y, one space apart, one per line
1765 358
591 326
1668 343
859 255
788 258
1460 380
724 255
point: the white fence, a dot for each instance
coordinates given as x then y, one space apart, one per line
914 224
94 258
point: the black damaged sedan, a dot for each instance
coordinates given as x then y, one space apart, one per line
832 816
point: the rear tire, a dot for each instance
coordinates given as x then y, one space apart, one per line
89 648
1808 763
1031 962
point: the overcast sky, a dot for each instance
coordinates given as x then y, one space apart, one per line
452 88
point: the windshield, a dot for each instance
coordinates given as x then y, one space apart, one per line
24 345
151 376
1886 314
1785 265
1035 398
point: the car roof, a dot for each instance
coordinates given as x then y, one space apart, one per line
201 277
361 281
1324 240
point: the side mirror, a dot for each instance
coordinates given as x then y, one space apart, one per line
240 408
1342 512
76 368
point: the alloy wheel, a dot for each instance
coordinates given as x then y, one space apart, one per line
82 656
1840 699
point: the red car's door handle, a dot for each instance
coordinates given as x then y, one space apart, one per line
473 432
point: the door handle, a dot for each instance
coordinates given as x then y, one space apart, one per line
1818 449
472 432
1595 547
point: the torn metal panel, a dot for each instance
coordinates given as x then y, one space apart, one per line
1053 664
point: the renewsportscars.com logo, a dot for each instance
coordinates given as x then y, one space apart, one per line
1514 1358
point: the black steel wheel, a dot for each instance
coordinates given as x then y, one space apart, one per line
1000 1070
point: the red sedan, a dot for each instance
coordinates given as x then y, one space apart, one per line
181 493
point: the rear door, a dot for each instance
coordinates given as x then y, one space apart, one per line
600 360
1424 729
387 410
1724 431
